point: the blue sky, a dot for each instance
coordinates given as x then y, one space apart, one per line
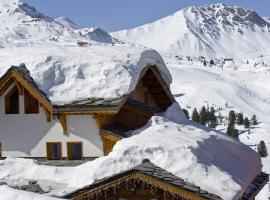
113 15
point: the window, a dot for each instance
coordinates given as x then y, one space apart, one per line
31 105
74 150
54 150
12 101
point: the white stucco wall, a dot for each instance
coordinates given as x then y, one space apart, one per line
25 135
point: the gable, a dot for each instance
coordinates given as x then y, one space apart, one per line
23 82
152 90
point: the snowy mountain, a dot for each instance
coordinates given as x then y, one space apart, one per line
211 30
267 19
23 25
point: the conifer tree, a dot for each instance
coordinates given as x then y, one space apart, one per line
195 116
186 113
212 118
262 150
203 116
240 119
246 122
212 62
254 120
204 63
232 117
231 131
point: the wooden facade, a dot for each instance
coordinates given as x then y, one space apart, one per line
150 91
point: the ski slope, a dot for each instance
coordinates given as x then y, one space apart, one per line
244 89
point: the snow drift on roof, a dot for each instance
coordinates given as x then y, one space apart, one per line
68 73
211 160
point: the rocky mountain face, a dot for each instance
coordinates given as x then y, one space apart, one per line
212 30
23 25
267 19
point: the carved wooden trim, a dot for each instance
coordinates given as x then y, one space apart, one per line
114 182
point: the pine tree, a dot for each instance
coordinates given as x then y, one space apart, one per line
195 116
204 63
231 131
240 119
232 117
212 118
212 62
246 122
203 116
262 150
186 113
254 120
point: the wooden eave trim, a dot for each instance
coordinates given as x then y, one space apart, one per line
108 136
93 112
94 190
33 91
5 85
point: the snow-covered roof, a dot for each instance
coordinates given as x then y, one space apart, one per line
69 73
213 161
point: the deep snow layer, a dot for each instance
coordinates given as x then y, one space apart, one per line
68 73
213 161
7 193
213 30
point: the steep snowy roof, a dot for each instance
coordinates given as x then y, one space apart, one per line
210 160
69 73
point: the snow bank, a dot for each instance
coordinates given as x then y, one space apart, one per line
68 73
211 160
7 193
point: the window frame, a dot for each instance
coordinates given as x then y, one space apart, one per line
7 101
48 151
69 148
25 103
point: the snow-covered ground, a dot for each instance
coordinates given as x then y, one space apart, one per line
215 162
243 87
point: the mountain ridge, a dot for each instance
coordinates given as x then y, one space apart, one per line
23 25
212 30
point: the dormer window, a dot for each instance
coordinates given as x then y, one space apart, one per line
12 101
31 105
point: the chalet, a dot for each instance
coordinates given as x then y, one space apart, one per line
33 126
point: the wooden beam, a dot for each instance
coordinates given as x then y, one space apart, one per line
47 113
63 121
87 112
6 84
